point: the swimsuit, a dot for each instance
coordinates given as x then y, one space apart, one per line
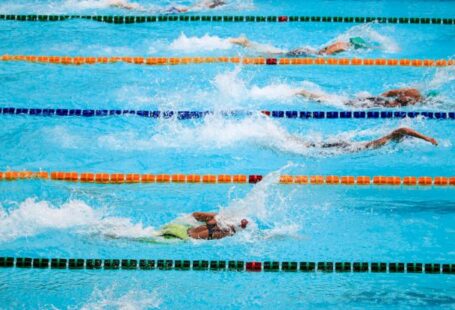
175 231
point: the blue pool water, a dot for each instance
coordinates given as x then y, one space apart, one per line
299 223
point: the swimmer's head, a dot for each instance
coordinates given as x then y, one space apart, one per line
358 42
432 93
244 223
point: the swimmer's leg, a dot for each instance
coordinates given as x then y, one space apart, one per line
396 136
312 96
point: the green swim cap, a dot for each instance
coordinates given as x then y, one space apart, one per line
432 93
358 42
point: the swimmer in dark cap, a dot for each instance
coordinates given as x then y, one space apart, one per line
399 97
334 48
208 231
397 136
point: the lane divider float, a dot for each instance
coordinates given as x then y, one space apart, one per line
223 265
128 19
182 115
125 178
157 61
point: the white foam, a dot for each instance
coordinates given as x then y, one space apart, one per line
33 217
196 44
366 32
135 299
100 4
229 85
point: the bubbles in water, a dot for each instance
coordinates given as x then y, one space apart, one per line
135 299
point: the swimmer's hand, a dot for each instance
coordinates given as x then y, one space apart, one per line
432 141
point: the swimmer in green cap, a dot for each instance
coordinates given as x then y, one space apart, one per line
208 231
334 48
399 97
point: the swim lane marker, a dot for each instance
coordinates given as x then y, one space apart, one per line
128 19
184 115
130 178
223 265
160 61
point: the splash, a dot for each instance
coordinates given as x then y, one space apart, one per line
367 32
101 4
266 207
196 44
134 299
34 217
229 85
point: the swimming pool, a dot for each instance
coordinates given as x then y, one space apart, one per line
45 218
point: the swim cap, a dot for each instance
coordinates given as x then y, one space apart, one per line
243 223
358 42
432 93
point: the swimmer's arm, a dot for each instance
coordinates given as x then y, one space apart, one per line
242 41
397 135
310 95
334 48
204 216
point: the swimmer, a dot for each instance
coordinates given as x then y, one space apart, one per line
208 231
399 97
200 5
395 136
124 4
334 48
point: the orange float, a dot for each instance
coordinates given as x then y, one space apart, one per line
393 180
405 62
239 178
410 181
117 178
392 62
147 178
441 62
368 62
441 181
71 176
178 178
301 179
425 181
138 60
102 178
163 178
286 179
224 178
42 175
317 179
87 177
151 61
209 178
332 179
363 180
348 180
132 178
356 61
193 178
11 175
452 181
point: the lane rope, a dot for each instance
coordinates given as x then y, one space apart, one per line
223 265
122 178
159 61
227 18
182 115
